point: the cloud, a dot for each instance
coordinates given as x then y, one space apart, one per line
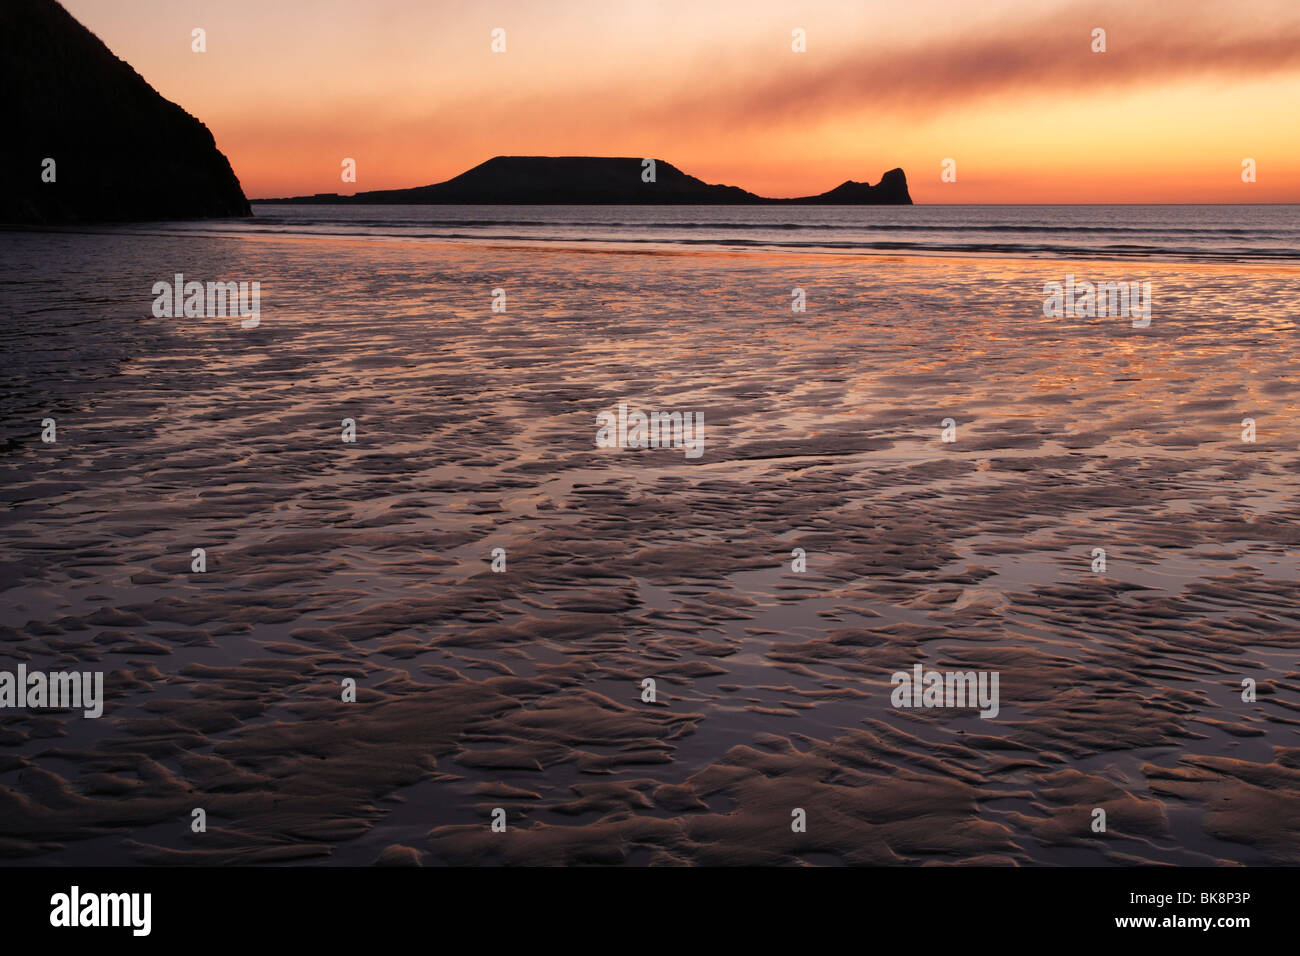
1048 56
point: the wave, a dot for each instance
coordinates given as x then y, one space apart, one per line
1236 253
1184 233
797 226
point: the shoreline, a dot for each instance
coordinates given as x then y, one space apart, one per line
649 248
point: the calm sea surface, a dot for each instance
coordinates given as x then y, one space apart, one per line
1204 233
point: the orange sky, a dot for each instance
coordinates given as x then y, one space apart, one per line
1010 90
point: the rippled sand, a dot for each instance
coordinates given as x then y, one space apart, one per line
522 690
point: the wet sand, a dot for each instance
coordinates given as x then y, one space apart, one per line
522 690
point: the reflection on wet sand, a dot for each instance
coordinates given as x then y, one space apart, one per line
522 690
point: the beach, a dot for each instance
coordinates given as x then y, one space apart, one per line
522 689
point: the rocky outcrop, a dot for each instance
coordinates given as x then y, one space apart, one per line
120 151
891 190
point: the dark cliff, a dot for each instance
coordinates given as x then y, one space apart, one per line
566 180
122 152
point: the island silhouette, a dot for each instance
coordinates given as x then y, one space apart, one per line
599 180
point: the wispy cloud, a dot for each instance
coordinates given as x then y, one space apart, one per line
1048 55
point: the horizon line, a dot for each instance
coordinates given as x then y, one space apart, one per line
280 201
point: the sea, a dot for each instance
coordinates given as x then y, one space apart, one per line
1211 233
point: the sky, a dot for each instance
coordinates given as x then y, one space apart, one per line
1010 91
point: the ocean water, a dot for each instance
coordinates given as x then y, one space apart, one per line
522 690
1198 233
